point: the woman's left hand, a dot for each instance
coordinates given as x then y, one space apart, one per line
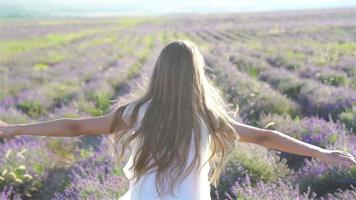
338 157
6 130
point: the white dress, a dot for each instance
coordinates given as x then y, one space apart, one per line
195 186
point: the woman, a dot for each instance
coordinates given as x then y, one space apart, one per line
176 130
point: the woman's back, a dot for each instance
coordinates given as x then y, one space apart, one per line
194 186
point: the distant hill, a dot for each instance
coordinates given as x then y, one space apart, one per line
66 8
50 8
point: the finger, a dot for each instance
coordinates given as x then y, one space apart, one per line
353 158
346 153
350 155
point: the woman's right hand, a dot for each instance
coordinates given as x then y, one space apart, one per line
6 130
338 157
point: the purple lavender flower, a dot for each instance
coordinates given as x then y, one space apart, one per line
314 97
26 161
8 193
314 130
278 190
325 178
95 178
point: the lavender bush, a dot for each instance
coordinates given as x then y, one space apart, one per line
252 66
326 178
325 75
314 97
348 117
12 115
98 177
254 160
50 67
244 189
25 162
8 194
323 178
253 97
341 195
313 130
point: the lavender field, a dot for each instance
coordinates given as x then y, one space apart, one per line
290 71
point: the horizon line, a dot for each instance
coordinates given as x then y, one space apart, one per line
114 14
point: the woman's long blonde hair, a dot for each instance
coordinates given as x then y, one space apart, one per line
180 94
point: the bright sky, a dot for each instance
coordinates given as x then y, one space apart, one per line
175 6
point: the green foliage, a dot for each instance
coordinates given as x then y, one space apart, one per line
254 44
96 102
86 153
40 67
101 40
64 150
133 70
101 100
53 56
130 22
257 161
125 46
294 57
254 97
88 107
281 61
269 103
9 48
333 79
252 66
348 117
288 85
14 116
328 182
16 172
147 42
327 53
61 92
291 87
32 108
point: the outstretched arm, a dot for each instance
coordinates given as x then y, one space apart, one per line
279 141
63 127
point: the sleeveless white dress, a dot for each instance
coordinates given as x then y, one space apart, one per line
195 186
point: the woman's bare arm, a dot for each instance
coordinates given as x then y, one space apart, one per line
273 139
63 127
283 142
250 134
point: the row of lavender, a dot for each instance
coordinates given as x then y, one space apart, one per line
315 97
252 172
311 103
67 85
36 168
280 113
263 170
